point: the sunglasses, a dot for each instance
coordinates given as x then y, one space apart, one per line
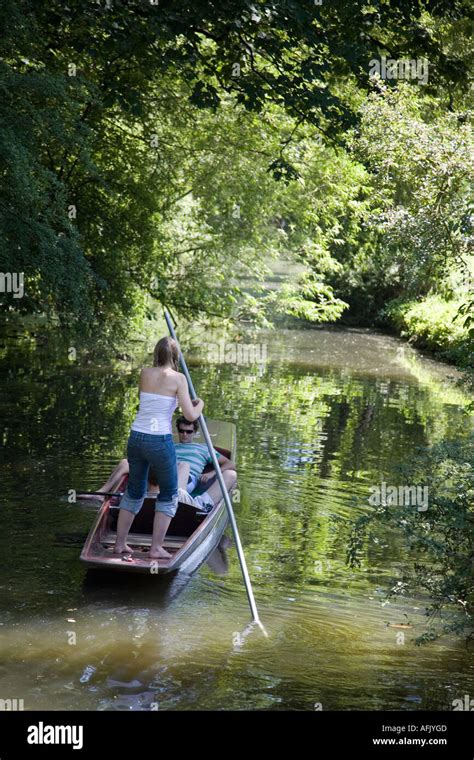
185 432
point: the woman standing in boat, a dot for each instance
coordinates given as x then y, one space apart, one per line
161 387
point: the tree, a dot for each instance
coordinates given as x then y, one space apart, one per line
79 83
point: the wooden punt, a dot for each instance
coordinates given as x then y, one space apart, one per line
191 537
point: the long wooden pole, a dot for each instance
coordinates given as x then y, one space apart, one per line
215 461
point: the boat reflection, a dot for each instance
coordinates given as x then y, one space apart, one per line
154 590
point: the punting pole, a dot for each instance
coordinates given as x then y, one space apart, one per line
215 461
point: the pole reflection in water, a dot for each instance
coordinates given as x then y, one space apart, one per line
332 414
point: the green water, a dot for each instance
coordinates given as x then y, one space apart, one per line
329 414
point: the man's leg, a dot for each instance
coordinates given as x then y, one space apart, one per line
116 477
183 474
214 493
111 484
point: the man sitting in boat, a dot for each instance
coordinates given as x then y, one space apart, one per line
192 459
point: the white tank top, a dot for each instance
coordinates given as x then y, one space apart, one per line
154 414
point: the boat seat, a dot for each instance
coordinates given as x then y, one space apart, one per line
137 539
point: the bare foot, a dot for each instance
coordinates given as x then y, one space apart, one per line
125 549
159 553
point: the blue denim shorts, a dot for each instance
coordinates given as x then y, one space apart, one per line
145 450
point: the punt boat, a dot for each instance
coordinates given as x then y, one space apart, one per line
191 537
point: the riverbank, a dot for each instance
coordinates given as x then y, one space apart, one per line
432 324
429 323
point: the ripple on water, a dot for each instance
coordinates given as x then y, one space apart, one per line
331 415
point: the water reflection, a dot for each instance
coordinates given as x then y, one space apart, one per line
330 414
112 587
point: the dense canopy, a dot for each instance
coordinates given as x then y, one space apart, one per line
163 152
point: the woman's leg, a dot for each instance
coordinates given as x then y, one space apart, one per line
124 523
132 500
161 523
162 457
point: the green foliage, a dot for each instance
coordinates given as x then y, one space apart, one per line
431 323
132 131
388 219
308 299
423 172
37 235
412 234
440 538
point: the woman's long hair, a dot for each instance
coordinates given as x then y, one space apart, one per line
166 352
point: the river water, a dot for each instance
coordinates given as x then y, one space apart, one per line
328 414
